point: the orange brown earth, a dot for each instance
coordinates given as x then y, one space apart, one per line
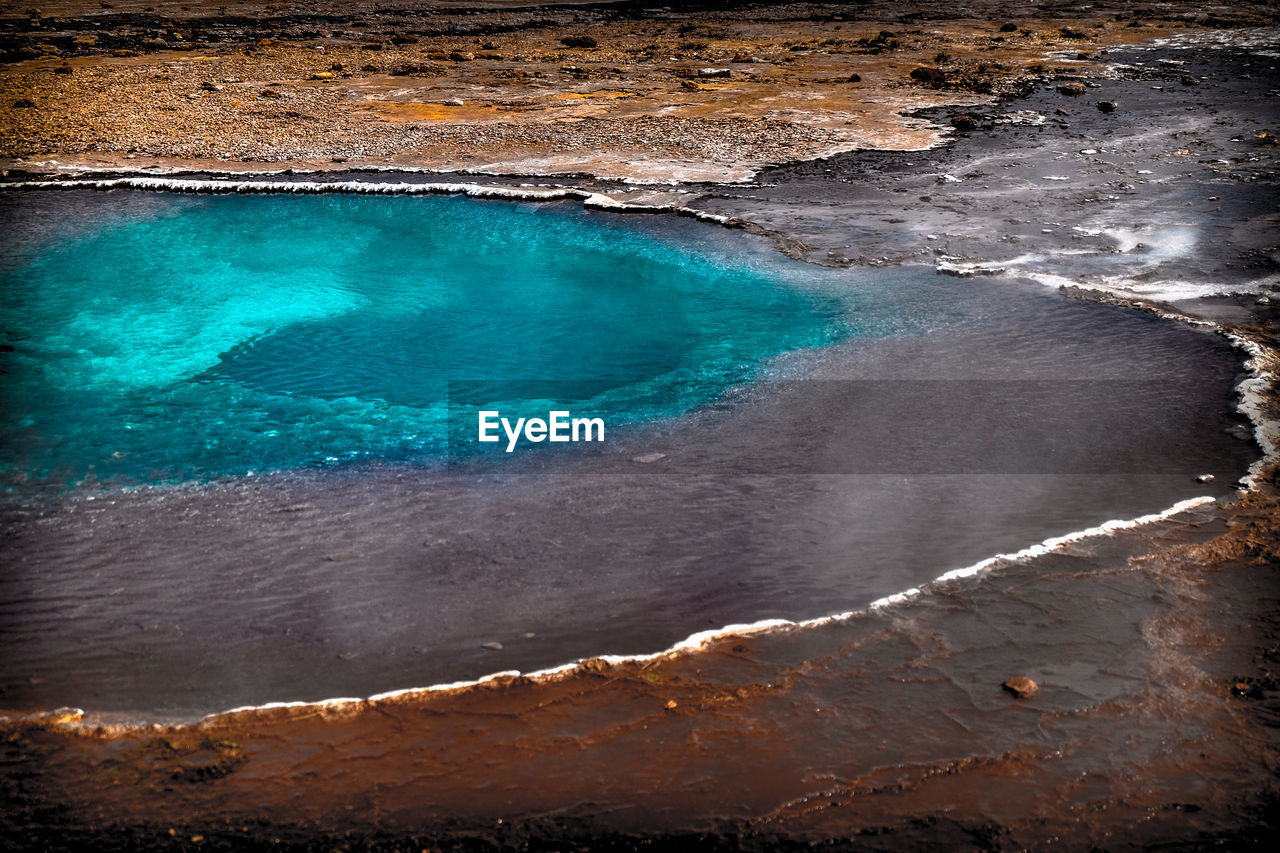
891 732
661 95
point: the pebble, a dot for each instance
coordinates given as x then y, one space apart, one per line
495 646
1021 687
648 457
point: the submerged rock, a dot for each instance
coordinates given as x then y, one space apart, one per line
1073 89
963 122
1107 106
1021 687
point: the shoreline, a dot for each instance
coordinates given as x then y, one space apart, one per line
1255 393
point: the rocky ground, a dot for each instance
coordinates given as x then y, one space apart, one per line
610 89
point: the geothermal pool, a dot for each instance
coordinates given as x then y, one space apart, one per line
162 338
240 465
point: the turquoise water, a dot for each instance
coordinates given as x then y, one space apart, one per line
158 338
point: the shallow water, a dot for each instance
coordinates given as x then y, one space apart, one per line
162 338
947 420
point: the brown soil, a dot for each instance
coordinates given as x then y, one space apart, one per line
496 89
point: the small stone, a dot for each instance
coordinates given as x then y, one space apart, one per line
1239 432
1107 106
495 646
62 69
322 75
671 706
24 104
1072 88
1021 687
742 56
1060 112
1008 28
931 76
1188 80
403 40
579 41
1247 690
1204 478
461 56
646 458
854 78
714 72
963 123
210 87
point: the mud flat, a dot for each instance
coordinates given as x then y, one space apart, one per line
1153 642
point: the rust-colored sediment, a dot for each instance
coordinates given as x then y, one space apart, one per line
647 102
739 741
